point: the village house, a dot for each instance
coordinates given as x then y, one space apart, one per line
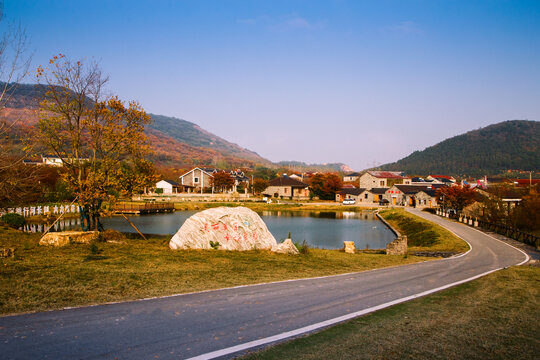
52 160
351 177
285 187
198 179
411 195
349 193
361 195
169 187
383 179
445 179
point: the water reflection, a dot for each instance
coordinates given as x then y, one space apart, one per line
61 225
323 229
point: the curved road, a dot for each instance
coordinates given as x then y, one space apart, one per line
223 322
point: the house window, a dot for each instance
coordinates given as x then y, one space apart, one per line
381 183
365 196
285 190
196 180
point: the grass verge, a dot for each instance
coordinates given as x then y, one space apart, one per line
41 277
495 317
423 235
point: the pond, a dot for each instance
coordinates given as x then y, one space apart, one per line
325 230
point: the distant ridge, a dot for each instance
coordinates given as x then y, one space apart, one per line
302 166
509 145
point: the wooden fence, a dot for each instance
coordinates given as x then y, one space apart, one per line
146 208
511 232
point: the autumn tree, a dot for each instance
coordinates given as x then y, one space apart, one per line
325 186
456 197
222 181
259 185
100 139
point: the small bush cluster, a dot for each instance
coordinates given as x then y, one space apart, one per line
13 220
111 236
303 247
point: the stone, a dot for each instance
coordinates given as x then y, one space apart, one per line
349 247
224 228
286 247
6 253
68 237
398 246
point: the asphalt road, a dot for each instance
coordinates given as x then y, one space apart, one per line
203 324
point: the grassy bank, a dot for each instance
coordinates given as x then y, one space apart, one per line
422 235
40 277
495 317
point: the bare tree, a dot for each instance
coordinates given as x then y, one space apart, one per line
15 179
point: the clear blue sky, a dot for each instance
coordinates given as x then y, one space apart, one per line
359 82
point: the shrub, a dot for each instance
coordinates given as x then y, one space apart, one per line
303 248
159 191
430 210
112 236
13 220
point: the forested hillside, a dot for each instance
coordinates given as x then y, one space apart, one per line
175 142
513 144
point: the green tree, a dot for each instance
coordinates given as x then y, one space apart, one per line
264 173
100 140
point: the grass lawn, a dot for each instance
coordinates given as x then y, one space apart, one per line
423 235
42 277
495 317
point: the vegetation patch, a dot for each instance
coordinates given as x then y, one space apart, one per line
43 277
423 235
13 220
495 317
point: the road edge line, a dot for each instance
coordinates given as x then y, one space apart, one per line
326 323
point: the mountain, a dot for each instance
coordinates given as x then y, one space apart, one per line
193 135
302 166
175 142
509 145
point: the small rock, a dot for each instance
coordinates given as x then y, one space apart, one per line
286 247
5 253
349 247
68 237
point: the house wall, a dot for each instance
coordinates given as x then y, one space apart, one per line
369 181
395 196
287 192
350 178
199 175
424 200
167 188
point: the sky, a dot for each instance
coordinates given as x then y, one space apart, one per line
359 82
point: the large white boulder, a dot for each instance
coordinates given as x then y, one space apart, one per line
224 228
